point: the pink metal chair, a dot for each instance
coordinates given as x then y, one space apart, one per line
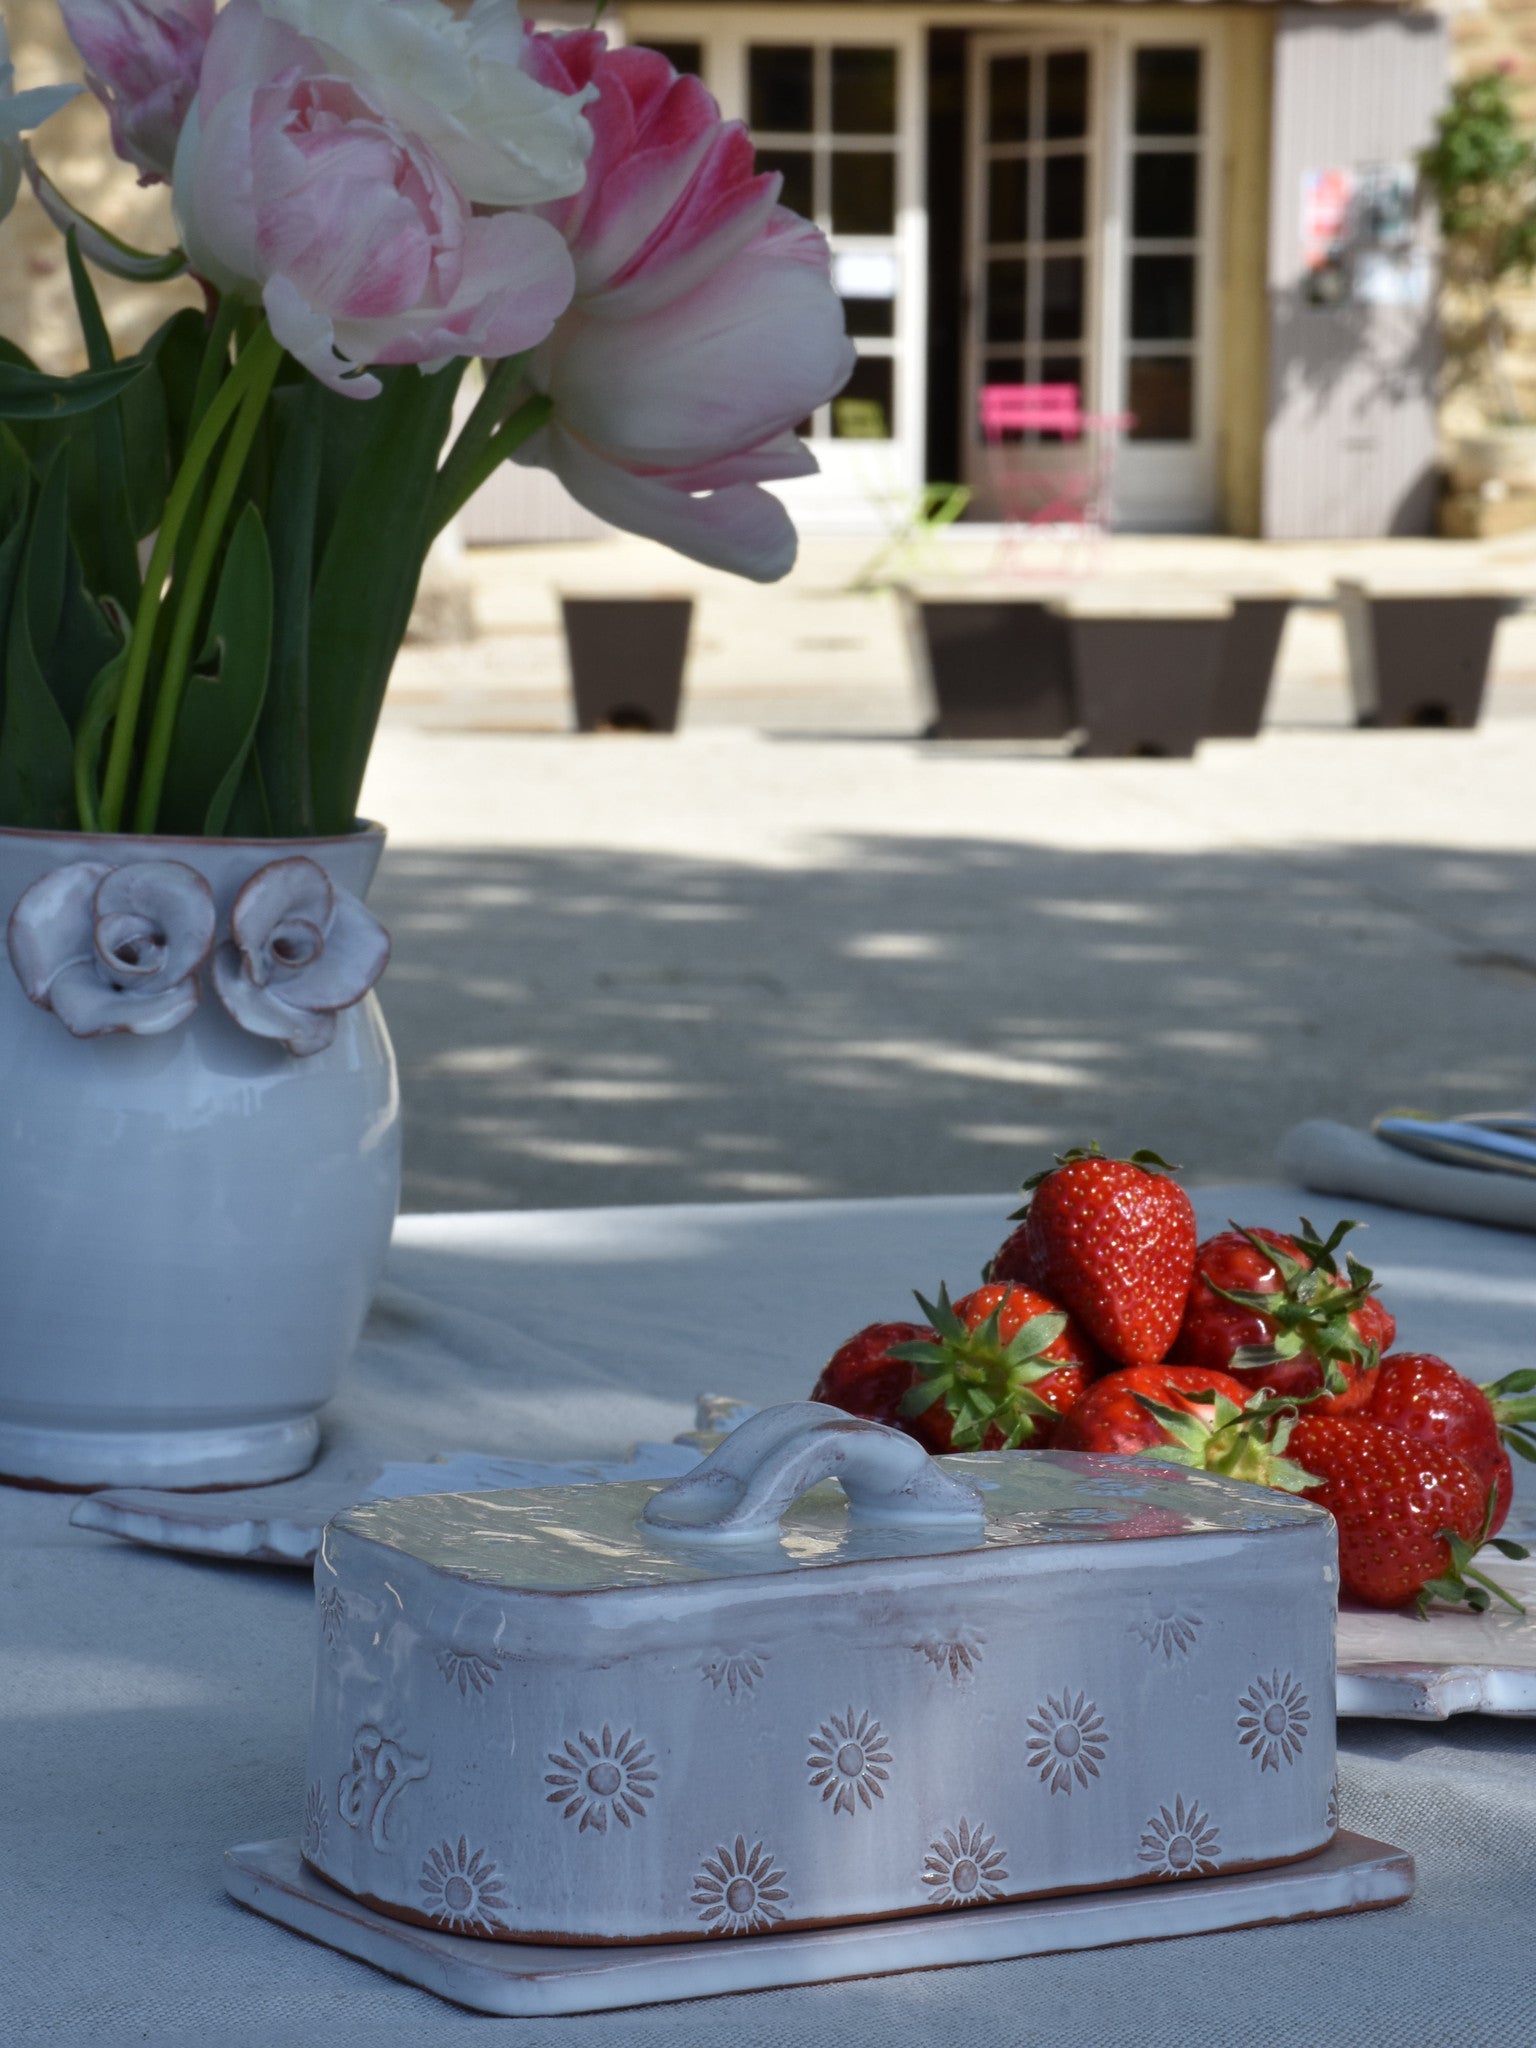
1051 464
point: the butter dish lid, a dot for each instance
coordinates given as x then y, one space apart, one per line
760 1504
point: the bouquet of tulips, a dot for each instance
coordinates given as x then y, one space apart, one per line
209 549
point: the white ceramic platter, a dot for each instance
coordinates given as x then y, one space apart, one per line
1403 1669
282 1524
521 1981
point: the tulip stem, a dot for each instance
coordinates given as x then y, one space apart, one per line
258 363
490 409
459 480
194 585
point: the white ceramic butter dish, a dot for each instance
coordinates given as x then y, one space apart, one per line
743 1703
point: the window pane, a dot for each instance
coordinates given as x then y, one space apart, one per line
1167 92
1066 190
1161 392
1164 194
1008 200
864 92
1008 99
872 385
1063 370
1066 94
873 317
686 57
1006 304
1062 298
1003 370
1162 298
799 193
863 193
780 94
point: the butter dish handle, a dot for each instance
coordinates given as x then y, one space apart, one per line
767 1462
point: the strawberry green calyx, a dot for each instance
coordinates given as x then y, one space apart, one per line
1149 1162
1240 1443
1513 1401
983 1382
1464 1585
1311 1310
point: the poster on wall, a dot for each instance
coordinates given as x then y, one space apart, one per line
1358 236
1325 201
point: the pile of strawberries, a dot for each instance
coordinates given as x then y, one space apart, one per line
1103 1325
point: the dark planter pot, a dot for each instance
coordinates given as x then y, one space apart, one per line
998 669
1247 667
627 660
1145 684
1418 659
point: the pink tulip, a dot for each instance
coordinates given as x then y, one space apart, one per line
291 187
704 325
142 58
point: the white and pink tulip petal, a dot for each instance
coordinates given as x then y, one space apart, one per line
305 190
142 60
460 79
739 528
704 325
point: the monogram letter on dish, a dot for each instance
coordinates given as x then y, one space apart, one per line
377 1774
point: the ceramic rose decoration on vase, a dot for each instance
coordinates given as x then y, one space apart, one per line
208 555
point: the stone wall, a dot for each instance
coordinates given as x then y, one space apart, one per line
36 306
1486 33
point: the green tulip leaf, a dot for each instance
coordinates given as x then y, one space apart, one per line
216 722
37 752
27 394
369 568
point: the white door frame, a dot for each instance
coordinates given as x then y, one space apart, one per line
1173 486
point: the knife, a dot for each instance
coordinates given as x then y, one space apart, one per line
1496 1141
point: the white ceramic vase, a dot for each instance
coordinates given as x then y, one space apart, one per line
193 1219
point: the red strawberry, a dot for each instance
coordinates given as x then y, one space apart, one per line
1411 1516
1185 1416
1277 1313
1113 1240
1002 1364
864 1377
1421 1396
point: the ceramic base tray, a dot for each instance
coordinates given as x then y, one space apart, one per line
518 1980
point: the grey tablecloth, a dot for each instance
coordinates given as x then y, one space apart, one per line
152 1708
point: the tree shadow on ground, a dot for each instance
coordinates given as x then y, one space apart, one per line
919 1015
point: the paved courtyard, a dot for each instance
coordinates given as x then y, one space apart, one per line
797 950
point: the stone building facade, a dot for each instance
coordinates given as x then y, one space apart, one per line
1224 436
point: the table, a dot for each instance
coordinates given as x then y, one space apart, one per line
153 1707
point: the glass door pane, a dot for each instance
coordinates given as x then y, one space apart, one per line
1163 257
826 116
1034 232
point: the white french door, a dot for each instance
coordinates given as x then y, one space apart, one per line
1091 261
